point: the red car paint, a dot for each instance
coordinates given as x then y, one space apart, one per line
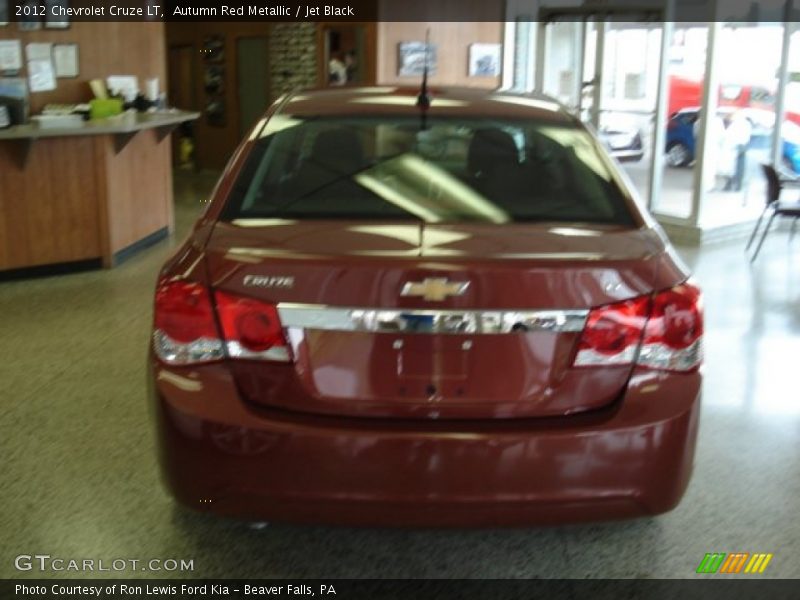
687 93
409 428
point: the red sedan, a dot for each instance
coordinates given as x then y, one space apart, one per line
395 313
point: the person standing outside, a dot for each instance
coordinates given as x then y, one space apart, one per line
720 165
337 70
738 135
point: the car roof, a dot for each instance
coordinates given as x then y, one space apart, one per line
445 102
696 109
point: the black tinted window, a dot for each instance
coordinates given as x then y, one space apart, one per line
447 171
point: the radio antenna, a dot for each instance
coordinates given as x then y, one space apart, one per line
424 99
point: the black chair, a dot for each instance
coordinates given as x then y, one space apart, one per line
779 209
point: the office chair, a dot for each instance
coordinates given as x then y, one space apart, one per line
779 209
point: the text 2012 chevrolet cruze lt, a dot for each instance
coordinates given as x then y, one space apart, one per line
405 315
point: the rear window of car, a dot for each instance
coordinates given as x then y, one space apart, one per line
439 171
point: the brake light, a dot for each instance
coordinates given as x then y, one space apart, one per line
663 332
184 331
673 336
252 329
612 334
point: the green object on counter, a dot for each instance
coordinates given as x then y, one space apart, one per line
100 109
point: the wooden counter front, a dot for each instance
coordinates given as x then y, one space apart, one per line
90 193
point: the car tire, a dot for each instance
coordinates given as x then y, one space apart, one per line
678 155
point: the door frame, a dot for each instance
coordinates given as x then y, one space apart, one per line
665 15
369 54
265 36
192 89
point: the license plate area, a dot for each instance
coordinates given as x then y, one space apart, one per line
432 357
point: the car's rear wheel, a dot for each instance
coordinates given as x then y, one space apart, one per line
678 155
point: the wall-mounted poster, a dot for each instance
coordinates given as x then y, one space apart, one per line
65 60
411 58
38 51
10 55
29 21
41 76
55 19
484 60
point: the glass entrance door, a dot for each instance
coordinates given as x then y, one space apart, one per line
608 71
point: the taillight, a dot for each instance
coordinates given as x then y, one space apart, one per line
661 332
612 334
252 329
184 331
673 337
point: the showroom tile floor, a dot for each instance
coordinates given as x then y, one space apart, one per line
78 477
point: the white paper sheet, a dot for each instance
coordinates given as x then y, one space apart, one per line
38 51
65 60
41 77
10 55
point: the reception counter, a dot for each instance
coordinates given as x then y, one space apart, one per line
87 195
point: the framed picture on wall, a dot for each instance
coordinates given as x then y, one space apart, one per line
484 60
411 58
51 21
65 60
29 23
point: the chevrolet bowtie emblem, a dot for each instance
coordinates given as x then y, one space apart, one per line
434 289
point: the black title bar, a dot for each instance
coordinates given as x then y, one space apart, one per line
734 11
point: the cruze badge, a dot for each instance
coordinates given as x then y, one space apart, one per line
269 281
434 289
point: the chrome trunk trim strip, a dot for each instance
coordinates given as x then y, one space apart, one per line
333 318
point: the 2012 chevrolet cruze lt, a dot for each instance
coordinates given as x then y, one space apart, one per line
401 314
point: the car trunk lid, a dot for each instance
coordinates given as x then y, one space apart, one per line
431 321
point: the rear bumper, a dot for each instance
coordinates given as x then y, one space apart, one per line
219 455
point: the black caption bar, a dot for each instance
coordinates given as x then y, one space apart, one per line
194 10
734 11
412 589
